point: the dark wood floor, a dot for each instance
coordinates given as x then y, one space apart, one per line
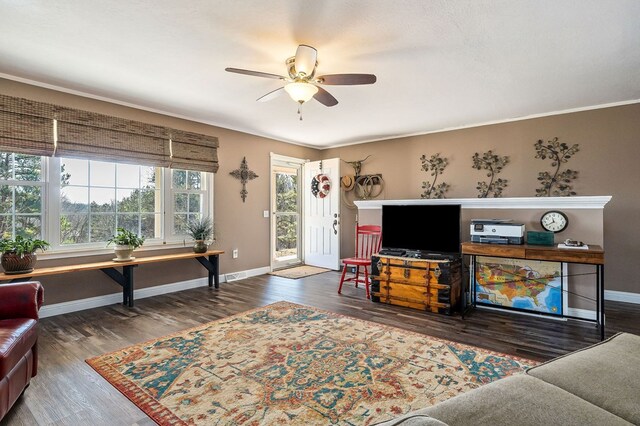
68 392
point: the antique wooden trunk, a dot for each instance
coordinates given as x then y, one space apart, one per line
427 284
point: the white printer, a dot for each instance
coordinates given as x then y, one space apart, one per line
496 231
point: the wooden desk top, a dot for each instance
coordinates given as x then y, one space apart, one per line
53 270
593 256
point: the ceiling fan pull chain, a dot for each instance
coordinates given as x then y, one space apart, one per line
300 112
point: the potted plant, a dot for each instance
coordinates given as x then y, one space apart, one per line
19 255
201 230
125 242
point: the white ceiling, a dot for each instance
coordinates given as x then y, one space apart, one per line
440 63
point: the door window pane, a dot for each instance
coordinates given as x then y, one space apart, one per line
286 235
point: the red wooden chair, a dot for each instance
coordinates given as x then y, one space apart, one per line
368 241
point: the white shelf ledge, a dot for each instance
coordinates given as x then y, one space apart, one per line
582 202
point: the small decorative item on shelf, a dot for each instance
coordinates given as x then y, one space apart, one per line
19 255
202 232
125 242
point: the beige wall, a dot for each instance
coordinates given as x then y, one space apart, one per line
239 225
609 142
610 149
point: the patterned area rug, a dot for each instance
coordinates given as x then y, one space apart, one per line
291 364
299 272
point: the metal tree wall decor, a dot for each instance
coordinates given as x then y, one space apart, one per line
493 164
245 175
558 184
436 165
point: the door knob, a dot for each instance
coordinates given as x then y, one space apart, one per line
335 223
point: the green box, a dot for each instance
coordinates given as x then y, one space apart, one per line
540 238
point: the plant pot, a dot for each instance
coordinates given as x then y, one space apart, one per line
200 246
123 252
14 264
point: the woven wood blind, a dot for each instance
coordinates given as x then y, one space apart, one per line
89 135
26 127
193 151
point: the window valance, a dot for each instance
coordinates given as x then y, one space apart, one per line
38 128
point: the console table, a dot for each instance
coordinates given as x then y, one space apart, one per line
208 259
593 256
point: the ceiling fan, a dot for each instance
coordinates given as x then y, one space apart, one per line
301 82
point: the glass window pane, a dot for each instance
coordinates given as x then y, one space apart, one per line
6 226
148 176
6 165
129 221
286 235
150 226
195 203
102 200
286 192
29 226
148 201
27 167
128 176
6 199
74 199
180 222
102 174
28 199
74 172
180 203
128 200
103 226
179 179
74 228
194 180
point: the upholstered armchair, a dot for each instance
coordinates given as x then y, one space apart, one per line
19 305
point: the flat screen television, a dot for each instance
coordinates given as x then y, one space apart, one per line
422 228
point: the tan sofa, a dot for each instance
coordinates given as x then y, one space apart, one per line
598 385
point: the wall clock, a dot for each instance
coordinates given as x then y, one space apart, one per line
554 221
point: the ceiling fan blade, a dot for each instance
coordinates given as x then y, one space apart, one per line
254 73
306 57
271 95
325 98
347 79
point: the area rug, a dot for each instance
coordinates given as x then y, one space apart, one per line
299 272
292 364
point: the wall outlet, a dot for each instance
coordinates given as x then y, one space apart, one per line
265 213
234 254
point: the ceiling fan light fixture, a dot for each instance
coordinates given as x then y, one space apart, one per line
301 92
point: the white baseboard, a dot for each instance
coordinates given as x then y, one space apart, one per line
622 296
110 299
582 313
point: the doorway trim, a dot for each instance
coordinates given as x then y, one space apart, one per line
276 160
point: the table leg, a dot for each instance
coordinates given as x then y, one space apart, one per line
127 271
215 261
600 289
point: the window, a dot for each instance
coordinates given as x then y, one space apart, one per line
87 200
21 190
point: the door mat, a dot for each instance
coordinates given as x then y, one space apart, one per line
299 272
288 364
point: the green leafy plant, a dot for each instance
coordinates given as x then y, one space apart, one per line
436 165
200 229
21 246
126 238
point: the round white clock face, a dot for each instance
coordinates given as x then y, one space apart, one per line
554 221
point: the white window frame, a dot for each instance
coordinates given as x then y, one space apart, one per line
42 183
50 215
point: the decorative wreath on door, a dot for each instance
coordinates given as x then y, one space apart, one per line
320 186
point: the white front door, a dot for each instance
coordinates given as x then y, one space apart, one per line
322 216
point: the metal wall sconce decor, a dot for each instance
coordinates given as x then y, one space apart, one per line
492 164
245 175
560 184
436 165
